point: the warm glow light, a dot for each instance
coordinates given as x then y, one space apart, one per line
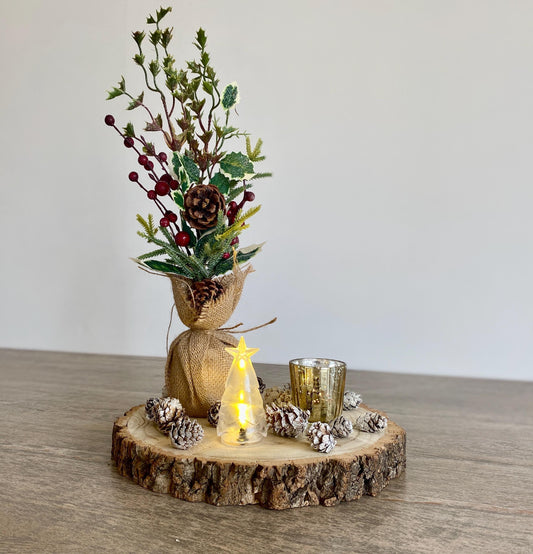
241 417
243 412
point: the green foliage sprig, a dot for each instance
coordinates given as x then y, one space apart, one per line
194 122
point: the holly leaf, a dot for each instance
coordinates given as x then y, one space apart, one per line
129 130
178 198
236 166
230 96
186 170
222 183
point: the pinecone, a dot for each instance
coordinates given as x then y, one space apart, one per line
320 436
202 204
370 422
205 291
262 385
185 432
351 400
212 414
279 395
341 427
150 406
168 411
287 420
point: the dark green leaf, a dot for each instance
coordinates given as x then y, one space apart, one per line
164 267
154 67
138 36
178 198
129 131
113 93
221 182
201 38
139 59
191 169
161 12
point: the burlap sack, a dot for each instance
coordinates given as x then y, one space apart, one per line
197 364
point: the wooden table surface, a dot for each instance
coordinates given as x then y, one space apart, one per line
468 485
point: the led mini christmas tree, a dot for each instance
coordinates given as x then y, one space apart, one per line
242 416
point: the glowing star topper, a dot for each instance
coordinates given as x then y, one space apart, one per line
242 417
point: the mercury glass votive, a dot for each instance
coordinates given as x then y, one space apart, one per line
317 385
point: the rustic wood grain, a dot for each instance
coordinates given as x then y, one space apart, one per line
278 473
467 488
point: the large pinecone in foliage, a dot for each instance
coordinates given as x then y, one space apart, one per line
185 433
205 291
287 420
370 422
321 437
201 206
166 412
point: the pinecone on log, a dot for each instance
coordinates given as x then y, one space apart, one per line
370 422
320 437
185 433
201 206
150 406
287 420
351 400
168 411
279 395
341 427
212 414
205 291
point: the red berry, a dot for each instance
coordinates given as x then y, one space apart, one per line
142 159
171 216
162 157
133 176
174 185
182 238
226 255
232 206
149 165
166 177
249 196
162 188
128 142
164 222
152 195
109 120
235 241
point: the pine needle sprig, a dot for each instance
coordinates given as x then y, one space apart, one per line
238 223
153 254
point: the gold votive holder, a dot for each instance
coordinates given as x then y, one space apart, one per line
317 385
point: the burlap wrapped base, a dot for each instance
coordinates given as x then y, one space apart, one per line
197 364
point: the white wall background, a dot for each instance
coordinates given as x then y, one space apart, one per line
398 222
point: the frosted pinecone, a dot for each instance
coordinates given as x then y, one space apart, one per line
262 385
212 414
168 411
150 406
320 437
279 395
287 420
185 433
341 427
351 400
370 422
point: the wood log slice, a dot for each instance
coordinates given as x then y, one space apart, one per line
277 473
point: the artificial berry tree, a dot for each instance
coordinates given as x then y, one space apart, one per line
200 187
